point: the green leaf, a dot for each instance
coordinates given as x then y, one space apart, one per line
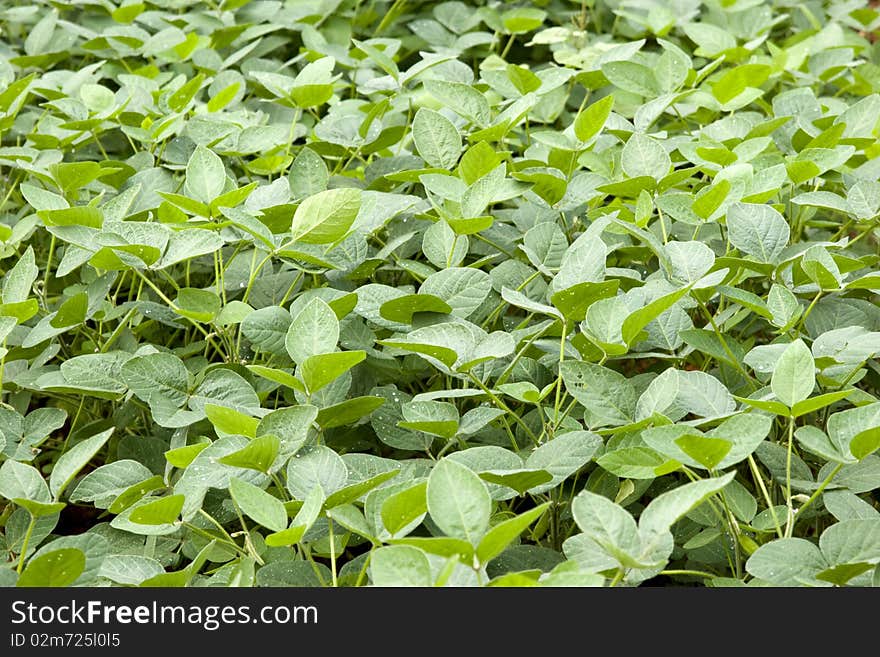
325 217
738 78
440 545
668 507
317 465
104 484
477 161
292 425
205 175
745 432
355 491
633 77
313 84
852 542
19 480
462 288
181 457
181 98
504 533
17 282
404 507
266 328
258 505
58 568
816 441
636 462
841 574
73 176
709 452
433 417
159 379
458 501
462 99
757 230
591 120
228 420
817 402
348 412
442 246
164 510
562 456
304 519
523 79
865 442
223 387
711 199
320 370
314 331
259 454
135 492
766 405
74 460
402 309
845 426
436 139
609 526
644 156
308 174
794 375
520 480
378 55
788 562
21 311
522 19
39 509
130 569
635 322
72 311
278 376
710 39
574 301
201 305
689 261
608 396
400 565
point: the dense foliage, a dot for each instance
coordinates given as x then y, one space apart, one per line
350 292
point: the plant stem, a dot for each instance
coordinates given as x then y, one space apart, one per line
507 46
695 573
559 379
174 307
734 530
789 521
332 553
48 267
760 480
500 404
818 491
24 543
206 534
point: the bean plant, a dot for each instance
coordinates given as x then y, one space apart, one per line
461 293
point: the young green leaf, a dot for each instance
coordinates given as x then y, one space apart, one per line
205 175
458 501
258 505
794 376
58 568
164 510
591 120
436 139
325 217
